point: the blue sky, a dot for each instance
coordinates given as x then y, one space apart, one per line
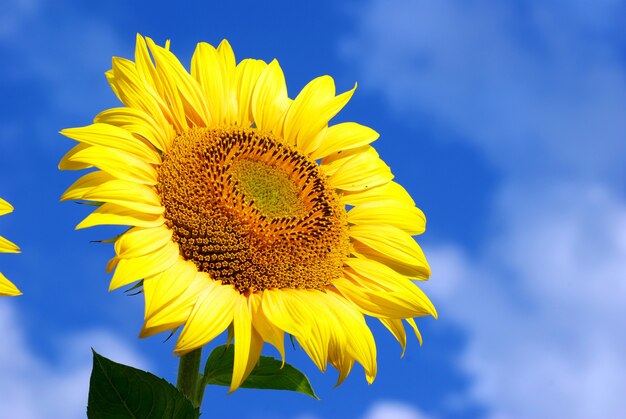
505 120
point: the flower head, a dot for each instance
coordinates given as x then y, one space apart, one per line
6 287
238 200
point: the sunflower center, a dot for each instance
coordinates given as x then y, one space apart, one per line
252 211
271 189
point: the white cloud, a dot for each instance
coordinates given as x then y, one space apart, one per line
543 305
32 387
394 410
540 88
537 85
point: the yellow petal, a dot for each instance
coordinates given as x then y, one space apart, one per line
119 164
168 287
331 163
247 74
183 91
362 171
295 312
134 93
5 207
145 68
396 328
211 315
131 270
140 241
393 243
339 359
410 269
411 323
227 60
106 135
270 100
305 109
111 214
207 69
177 311
344 136
264 327
138 122
379 304
407 218
7 288
246 354
67 163
315 121
375 276
360 341
388 191
7 246
84 184
131 195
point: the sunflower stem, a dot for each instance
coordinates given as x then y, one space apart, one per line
188 380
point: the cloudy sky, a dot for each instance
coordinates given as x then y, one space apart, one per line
506 121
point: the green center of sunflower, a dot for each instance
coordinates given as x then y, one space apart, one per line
271 189
252 211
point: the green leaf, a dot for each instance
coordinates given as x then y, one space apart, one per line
118 391
267 374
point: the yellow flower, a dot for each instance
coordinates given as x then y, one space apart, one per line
238 199
6 287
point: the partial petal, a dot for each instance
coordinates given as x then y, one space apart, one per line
139 123
378 282
140 241
407 218
208 70
67 163
127 194
360 341
305 109
268 331
117 163
296 313
393 243
247 75
131 270
5 207
182 91
248 343
84 184
112 214
396 328
411 323
177 311
315 119
106 135
210 316
168 286
135 93
344 136
331 163
379 304
7 288
388 191
226 56
270 100
363 171
7 246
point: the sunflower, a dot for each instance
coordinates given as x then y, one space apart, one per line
6 287
248 211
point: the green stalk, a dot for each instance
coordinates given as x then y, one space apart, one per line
189 376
